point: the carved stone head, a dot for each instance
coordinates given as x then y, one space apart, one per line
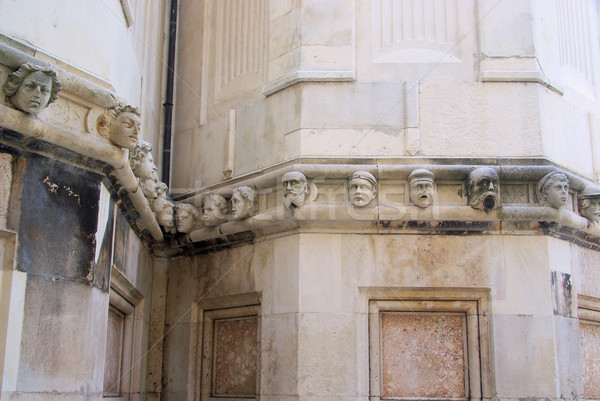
589 203
243 203
553 189
295 188
161 197
215 210
362 188
187 217
31 88
121 125
149 188
141 161
420 187
483 189
164 217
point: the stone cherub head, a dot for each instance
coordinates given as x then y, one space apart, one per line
164 217
141 161
31 88
187 217
588 203
295 189
483 189
362 188
420 187
121 125
243 203
553 189
215 210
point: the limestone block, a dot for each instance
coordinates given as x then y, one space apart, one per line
468 119
567 357
507 30
285 34
320 273
586 274
180 292
279 8
525 262
327 23
330 337
5 184
182 167
590 355
226 273
279 355
528 370
176 361
286 277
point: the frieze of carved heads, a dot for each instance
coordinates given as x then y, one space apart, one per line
215 210
362 188
32 88
553 189
295 189
187 217
243 203
588 203
483 189
121 125
420 187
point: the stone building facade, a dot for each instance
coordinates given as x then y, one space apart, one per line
361 200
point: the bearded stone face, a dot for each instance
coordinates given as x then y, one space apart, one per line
484 189
295 187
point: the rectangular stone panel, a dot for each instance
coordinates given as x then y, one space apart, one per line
589 337
114 353
423 355
235 357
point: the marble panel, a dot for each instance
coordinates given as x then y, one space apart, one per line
235 353
589 339
423 355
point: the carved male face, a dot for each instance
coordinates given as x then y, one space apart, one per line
295 187
361 191
165 216
214 211
149 188
33 94
590 208
421 192
483 188
124 130
557 193
146 169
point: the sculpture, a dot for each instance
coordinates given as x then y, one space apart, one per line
588 203
362 188
32 88
187 217
164 217
553 189
420 186
141 161
295 188
243 203
121 125
483 189
215 210
159 202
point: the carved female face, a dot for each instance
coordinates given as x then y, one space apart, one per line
184 220
124 130
239 206
33 94
146 169
361 192
213 215
557 194
421 192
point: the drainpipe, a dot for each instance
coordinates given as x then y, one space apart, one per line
166 167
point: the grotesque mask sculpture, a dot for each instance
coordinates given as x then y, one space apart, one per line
121 125
483 189
295 188
215 210
553 189
187 217
242 203
420 186
362 188
589 203
32 88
